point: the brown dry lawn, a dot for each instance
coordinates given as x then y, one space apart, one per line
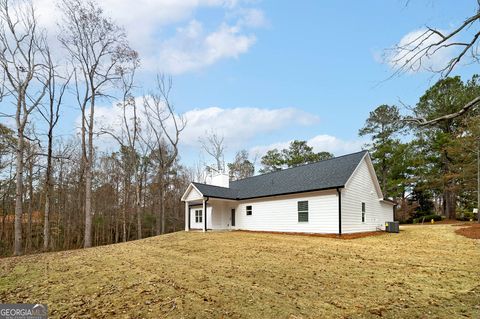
423 272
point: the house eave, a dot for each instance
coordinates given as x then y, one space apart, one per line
280 194
388 201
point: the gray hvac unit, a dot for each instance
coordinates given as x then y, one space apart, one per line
392 227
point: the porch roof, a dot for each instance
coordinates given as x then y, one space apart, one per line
216 191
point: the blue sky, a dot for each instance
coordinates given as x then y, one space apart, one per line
263 73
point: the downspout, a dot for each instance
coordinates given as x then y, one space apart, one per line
339 211
206 213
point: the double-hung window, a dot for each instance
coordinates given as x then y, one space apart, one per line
302 211
249 210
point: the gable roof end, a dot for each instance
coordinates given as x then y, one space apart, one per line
371 170
188 190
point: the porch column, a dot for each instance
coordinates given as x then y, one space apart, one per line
204 210
187 217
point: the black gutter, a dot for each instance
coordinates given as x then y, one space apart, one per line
281 194
206 201
339 211
189 218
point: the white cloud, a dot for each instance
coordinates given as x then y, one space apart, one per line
412 46
237 125
335 145
319 143
240 125
191 47
252 18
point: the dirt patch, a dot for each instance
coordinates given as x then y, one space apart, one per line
472 231
343 236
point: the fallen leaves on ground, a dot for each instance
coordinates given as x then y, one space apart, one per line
423 272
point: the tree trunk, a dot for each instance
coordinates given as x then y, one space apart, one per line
88 206
124 210
449 204
46 223
138 189
478 180
160 216
28 242
384 177
449 197
116 211
88 177
162 204
48 182
19 192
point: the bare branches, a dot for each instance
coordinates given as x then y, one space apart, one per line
412 54
162 120
164 126
424 122
22 45
22 65
2 85
213 145
96 46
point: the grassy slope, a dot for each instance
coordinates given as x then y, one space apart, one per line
424 272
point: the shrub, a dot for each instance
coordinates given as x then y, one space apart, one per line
466 215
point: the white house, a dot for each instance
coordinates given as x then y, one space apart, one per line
336 196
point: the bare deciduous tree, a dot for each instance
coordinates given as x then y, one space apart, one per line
213 145
21 46
96 46
56 86
165 127
128 138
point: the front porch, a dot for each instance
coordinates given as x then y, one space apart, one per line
209 214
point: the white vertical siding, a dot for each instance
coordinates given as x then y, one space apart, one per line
280 213
361 188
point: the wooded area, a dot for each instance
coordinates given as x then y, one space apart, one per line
429 169
60 192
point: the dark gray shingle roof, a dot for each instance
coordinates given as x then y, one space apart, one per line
327 174
216 191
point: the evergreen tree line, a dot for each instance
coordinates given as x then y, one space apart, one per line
429 169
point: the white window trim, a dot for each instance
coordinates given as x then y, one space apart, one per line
304 211
198 216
